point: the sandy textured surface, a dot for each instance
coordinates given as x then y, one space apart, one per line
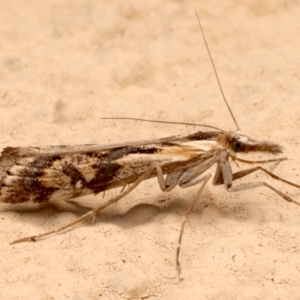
66 64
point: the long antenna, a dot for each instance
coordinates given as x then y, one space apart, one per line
215 70
163 122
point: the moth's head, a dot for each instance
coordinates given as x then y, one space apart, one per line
239 142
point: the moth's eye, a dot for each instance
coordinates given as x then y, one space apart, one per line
237 146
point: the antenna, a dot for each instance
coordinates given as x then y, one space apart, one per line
163 122
215 70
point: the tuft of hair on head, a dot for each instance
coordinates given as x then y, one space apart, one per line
264 146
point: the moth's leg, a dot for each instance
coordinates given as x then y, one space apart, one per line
76 205
252 185
195 181
259 161
223 174
91 213
243 173
171 180
186 177
178 178
204 180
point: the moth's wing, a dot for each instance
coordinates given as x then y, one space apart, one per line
63 150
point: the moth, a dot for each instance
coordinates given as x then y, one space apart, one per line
55 173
